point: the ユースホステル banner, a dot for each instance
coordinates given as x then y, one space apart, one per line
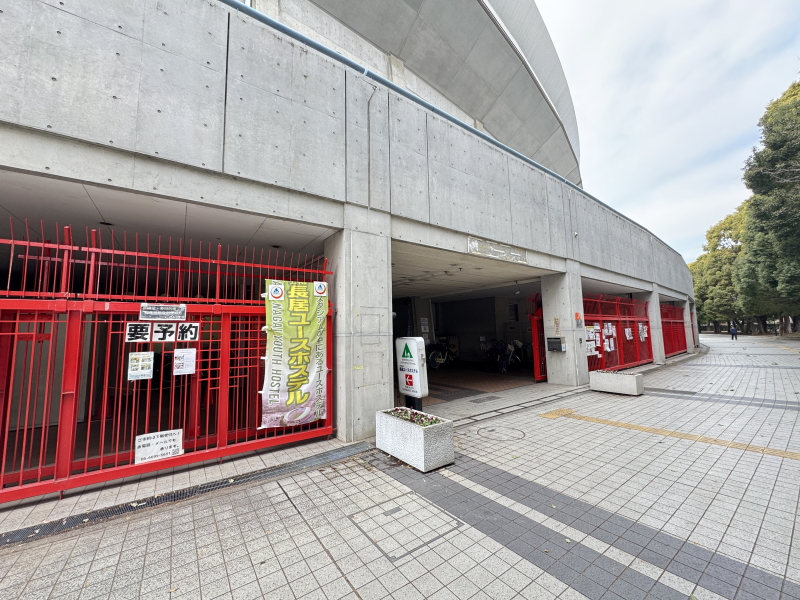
295 390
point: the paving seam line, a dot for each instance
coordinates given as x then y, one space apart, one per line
36 532
527 404
547 399
570 413
628 560
567 394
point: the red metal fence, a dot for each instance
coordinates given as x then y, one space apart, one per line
619 330
68 414
537 338
673 328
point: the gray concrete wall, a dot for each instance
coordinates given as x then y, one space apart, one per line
186 99
198 85
461 56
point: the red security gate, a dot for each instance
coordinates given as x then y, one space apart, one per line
68 413
673 328
537 338
621 331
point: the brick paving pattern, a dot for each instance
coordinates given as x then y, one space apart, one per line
532 508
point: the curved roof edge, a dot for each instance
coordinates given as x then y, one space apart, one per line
470 53
526 28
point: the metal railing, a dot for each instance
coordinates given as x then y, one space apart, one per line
673 329
617 332
70 412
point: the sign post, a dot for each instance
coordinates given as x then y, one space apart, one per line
412 374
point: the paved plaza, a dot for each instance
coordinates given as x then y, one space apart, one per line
690 491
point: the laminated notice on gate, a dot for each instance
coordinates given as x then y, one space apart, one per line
184 361
157 445
295 385
140 365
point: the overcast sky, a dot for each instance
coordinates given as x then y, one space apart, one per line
668 96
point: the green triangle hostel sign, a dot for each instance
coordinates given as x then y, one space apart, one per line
407 352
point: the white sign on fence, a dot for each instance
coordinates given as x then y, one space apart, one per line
140 365
184 361
158 445
162 312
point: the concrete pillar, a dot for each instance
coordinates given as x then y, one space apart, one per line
696 325
654 314
688 319
562 297
360 258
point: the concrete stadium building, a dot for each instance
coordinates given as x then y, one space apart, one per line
427 150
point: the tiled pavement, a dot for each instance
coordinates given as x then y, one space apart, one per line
464 381
24 513
532 508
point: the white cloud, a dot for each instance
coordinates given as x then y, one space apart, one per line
668 96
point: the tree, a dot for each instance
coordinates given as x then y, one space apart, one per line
777 164
768 269
716 296
750 268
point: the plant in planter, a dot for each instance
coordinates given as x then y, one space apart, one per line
421 440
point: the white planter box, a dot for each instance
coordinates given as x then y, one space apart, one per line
631 384
424 448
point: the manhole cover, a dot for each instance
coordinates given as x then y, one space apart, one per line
501 434
485 399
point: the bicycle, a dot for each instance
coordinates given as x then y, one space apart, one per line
440 354
510 356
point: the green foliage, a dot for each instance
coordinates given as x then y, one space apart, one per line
751 264
772 239
727 234
715 295
772 232
777 164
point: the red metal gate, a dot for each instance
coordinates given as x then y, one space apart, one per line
68 414
537 338
622 331
673 328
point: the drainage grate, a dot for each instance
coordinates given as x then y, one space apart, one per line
485 399
35 532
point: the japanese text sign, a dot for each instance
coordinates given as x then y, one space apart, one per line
161 444
295 385
162 312
162 332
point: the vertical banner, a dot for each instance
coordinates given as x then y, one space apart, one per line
295 381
